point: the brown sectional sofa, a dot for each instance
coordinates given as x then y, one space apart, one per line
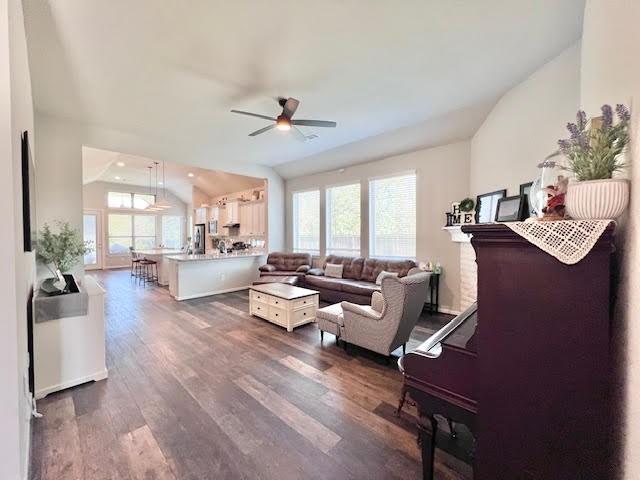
286 264
358 280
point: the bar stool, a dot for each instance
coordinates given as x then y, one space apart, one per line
135 262
149 271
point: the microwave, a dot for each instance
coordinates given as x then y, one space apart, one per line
213 227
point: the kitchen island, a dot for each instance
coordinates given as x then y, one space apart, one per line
158 255
201 275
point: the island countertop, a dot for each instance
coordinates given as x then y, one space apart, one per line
214 256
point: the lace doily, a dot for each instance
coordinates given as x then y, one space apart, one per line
567 240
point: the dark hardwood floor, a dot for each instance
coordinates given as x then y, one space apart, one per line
201 390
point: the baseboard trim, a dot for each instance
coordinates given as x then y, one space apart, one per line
449 311
101 375
210 293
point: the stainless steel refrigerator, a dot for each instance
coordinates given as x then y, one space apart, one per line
199 238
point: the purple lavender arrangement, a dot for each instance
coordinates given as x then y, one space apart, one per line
594 147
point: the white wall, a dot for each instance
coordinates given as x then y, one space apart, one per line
611 74
58 178
17 280
525 125
94 196
442 177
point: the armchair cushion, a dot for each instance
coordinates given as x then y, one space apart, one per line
360 310
303 268
377 302
267 268
318 272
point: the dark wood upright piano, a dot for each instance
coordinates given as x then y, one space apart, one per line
528 368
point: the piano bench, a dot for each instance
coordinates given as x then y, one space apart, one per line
330 319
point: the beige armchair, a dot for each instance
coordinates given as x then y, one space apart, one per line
388 322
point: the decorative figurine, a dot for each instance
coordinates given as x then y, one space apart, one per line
555 200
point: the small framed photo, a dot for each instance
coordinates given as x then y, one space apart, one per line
512 209
525 189
487 205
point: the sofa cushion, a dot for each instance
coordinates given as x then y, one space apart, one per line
373 267
290 280
352 265
334 270
288 261
283 273
324 282
360 287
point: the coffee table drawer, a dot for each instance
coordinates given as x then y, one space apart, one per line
259 296
277 302
260 308
277 315
303 315
304 302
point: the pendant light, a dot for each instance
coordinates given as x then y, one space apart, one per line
163 204
151 207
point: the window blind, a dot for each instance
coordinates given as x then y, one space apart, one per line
392 216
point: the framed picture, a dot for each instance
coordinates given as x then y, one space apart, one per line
525 189
487 205
512 209
28 191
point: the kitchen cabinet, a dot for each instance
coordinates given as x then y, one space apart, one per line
246 220
259 219
222 218
233 212
200 215
252 219
214 213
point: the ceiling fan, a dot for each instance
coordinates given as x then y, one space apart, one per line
284 121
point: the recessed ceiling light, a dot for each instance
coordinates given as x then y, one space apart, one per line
159 183
117 178
120 164
190 174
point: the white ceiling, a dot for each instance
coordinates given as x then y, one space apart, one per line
174 69
103 166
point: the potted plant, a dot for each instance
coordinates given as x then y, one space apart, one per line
60 251
594 154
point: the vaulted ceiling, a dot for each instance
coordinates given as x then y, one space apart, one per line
420 71
105 166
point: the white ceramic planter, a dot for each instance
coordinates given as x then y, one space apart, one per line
597 199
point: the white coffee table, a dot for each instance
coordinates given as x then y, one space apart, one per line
283 304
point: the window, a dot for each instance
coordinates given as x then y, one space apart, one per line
126 230
172 231
119 200
142 201
138 201
120 234
144 231
392 216
343 220
306 222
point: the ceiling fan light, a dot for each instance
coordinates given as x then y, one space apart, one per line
283 124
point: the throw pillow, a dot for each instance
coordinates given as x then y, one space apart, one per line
333 270
384 274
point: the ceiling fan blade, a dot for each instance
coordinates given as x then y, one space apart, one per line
290 107
296 132
314 123
253 115
262 130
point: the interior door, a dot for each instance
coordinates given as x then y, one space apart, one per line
92 232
